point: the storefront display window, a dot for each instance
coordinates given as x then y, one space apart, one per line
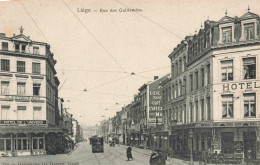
35 144
8 144
227 142
2 143
40 143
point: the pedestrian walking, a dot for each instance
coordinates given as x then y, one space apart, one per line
129 153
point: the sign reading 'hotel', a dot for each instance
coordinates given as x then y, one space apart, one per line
242 85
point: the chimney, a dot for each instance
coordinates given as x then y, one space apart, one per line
2 34
155 77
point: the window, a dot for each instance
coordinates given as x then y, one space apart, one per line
202 109
208 74
249 31
195 49
191 112
207 40
36 68
199 50
5 65
180 93
184 113
20 88
227 106
35 50
208 108
202 77
184 62
173 92
197 110
24 144
249 66
4 111
227 70
173 70
177 68
226 34
4 88
21 107
23 48
202 43
191 82
17 47
180 114
249 105
21 66
4 45
180 66
2 144
8 144
196 80
227 142
184 86
36 89
5 107
35 144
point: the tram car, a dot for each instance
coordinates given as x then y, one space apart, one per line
97 144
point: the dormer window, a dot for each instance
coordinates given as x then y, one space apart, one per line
249 31
17 47
23 48
227 34
4 45
36 50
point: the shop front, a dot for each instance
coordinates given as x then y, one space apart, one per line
30 140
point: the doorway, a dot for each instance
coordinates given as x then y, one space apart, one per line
250 143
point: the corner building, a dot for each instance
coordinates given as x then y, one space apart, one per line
28 96
223 80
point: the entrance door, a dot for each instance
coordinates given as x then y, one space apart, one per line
227 142
250 143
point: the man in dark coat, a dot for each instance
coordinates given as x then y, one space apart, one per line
154 158
129 153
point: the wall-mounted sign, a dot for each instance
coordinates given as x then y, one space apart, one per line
242 85
22 122
23 98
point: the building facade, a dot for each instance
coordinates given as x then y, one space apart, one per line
221 111
28 96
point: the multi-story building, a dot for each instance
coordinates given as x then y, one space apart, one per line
175 97
222 70
28 95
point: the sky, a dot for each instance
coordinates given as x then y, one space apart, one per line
97 50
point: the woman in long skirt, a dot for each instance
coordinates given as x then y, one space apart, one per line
129 153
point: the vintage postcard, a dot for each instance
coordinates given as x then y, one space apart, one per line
93 82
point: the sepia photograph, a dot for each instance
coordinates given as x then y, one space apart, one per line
129 82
